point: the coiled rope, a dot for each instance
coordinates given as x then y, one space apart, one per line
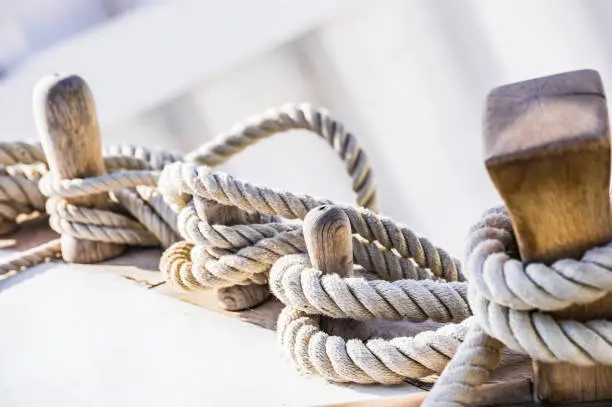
306 292
137 214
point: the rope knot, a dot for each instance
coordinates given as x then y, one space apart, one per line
134 214
512 300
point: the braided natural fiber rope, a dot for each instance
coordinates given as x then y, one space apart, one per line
309 295
30 257
135 167
305 290
291 117
511 302
477 356
302 287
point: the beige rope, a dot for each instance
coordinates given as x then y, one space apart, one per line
512 301
19 152
30 257
402 265
477 356
292 117
242 254
372 361
302 287
248 250
19 193
181 181
309 295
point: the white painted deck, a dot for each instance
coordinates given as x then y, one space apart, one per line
81 336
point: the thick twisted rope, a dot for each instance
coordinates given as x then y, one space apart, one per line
458 385
248 250
223 256
180 182
512 302
372 361
292 117
30 257
402 266
309 290
228 255
310 295
132 169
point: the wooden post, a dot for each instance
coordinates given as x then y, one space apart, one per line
328 236
547 148
66 120
327 232
238 297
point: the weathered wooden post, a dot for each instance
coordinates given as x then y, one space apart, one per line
328 236
67 124
327 231
547 147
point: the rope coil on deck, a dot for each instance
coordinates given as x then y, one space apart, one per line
306 292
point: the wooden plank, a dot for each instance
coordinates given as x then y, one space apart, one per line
547 146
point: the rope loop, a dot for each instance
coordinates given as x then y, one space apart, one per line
512 303
135 213
512 300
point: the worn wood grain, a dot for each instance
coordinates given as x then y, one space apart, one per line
67 124
327 232
547 148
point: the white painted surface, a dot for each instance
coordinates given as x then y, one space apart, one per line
74 337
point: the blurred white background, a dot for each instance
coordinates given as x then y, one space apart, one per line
408 78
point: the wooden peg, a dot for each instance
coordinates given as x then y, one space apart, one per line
67 124
241 297
547 148
238 297
327 231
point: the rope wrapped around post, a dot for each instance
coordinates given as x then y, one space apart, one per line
548 153
408 278
280 249
553 304
136 214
